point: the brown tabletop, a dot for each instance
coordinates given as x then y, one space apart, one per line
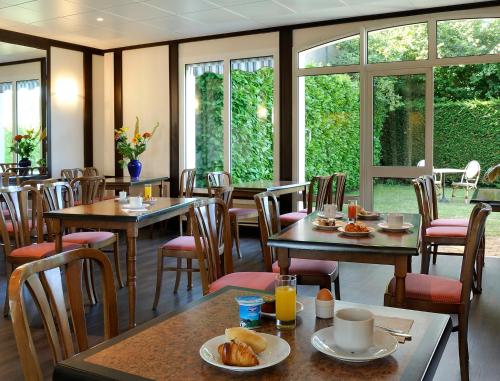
167 348
126 183
301 240
109 215
249 189
489 196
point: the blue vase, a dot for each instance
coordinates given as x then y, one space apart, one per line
134 169
24 162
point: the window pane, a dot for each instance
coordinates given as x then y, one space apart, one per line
332 127
6 122
204 118
392 195
402 43
468 37
398 120
335 53
28 112
252 96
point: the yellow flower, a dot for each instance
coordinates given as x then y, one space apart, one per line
137 136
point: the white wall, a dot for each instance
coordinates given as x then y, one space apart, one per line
146 95
66 102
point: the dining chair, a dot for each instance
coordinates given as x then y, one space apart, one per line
318 194
437 294
469 179
186 189
211 229
16 230
237 215
308 271
47 280
340 182
90 171
69 174
5 166
88 189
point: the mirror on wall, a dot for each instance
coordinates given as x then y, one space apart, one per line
23 105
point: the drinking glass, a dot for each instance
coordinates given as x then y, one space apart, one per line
286 300
352 210
148 191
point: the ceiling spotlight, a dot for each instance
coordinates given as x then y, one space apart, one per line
100 19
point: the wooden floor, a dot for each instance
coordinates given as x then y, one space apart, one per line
359 283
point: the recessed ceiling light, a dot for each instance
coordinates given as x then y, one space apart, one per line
100 19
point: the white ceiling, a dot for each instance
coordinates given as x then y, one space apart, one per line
12 52
129 22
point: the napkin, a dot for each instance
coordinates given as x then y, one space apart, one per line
394 323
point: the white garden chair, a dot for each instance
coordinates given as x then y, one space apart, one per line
469 178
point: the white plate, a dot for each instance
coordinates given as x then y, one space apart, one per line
299 307
357 234
337 215
328 228
384 344
406 226
277 350
142 207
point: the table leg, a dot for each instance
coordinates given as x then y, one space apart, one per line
131 274
400 271
284 261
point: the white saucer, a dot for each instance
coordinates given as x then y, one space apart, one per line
384 344
299 307
327 228
277 350
337 215
384 226
128 206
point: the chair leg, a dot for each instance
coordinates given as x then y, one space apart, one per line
452 192
463 349
159 278
190 274
336 285
434 254
424 267
178 275
236 236
116 255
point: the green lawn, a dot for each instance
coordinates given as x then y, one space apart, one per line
401 198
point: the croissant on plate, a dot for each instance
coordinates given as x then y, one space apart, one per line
237 353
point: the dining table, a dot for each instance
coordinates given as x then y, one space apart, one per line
303 240
127 184
112 215
443 172
168 347
489 196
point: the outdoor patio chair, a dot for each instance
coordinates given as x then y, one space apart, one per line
469 178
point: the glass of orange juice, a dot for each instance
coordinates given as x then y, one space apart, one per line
286 300
148 192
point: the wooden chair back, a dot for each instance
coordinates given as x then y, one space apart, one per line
69 174
44 280
211 227
429 185
6 178
423 203
186 186
90 171
269 224
340 180
88 190
16 202
5 166
320 192
224 193
22 171
39 183
219 179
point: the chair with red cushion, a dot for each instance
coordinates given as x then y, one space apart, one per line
222 179
444 295
16 231
318 194
211 229
308 271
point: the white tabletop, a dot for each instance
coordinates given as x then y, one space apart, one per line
448 170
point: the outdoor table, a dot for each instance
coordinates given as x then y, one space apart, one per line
127 184
109 215
302 240
167 348
488 196
443 172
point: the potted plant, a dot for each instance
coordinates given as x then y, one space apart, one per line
24 145
133 148
42 166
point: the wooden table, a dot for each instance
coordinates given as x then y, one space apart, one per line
126 183
443 172
167 347
301 240
109 215
488 196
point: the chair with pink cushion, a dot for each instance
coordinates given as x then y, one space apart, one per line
444 295
16 231
308 271
211 229
318 194
221 179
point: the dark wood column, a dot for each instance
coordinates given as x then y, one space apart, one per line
88 149
173 67
118 103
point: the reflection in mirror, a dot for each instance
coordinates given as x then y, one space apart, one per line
22 105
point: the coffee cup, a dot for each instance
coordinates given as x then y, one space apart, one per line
330 210
135 202
122 195
353 329
395 220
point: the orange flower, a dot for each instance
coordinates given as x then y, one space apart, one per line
134 140
146 135
18 138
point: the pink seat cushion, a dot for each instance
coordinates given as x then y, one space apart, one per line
451 222
87 238
447 231
241 212
289 218
303 210
430 288
182 243
40 250
301 266
255 280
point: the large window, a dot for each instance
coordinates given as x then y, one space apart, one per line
252 99
336 53
6 121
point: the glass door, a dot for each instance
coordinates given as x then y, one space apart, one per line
399 137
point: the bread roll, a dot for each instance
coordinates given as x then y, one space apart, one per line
256 341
